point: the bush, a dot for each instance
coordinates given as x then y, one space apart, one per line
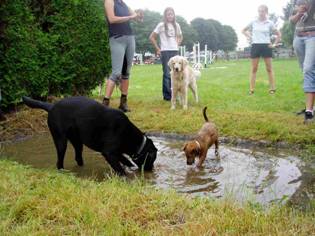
52 47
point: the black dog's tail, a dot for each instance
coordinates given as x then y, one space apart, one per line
204 114
37 104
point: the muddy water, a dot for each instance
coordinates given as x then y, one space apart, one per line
240 173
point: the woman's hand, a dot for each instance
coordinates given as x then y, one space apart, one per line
158 52
140 15
133 16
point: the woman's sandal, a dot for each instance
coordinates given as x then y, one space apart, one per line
272 91
251 92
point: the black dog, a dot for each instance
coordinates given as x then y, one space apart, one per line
105 130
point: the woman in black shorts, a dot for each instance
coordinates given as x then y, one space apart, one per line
259 32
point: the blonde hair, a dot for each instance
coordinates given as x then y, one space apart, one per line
264 7
165 21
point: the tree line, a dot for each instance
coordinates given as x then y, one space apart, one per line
204 31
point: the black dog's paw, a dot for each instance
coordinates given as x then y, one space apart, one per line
80 162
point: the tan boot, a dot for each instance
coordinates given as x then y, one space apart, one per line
123 104
2 117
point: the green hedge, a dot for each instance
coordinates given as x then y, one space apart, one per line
51 47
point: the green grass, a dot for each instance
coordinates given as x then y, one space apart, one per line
39 202
48 202
225 92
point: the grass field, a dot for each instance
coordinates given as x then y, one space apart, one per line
49 202
42 202
224 88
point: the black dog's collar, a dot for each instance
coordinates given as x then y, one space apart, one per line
136 156
142 144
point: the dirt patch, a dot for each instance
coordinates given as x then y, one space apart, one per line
22 123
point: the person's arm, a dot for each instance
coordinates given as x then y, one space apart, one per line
278 37
179 39
247 33
112 18
153 40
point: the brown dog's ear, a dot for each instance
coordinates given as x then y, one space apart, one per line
196 151
184 148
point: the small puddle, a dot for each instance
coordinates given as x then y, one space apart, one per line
241 173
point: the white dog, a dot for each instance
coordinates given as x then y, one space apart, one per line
182 77
197 66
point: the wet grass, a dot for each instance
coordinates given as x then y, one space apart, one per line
39 202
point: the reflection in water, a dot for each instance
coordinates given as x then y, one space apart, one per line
239 173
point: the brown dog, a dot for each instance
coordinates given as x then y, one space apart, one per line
198 147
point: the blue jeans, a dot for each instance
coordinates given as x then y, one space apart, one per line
166 85
305 50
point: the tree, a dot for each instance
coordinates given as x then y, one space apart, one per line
206 32
189 33
229 38
218 38
143 30
274 18
287 32
214 34
287 29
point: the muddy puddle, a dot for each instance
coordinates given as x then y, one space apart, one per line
241 173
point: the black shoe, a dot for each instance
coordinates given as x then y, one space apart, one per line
302 112
308 117
106 102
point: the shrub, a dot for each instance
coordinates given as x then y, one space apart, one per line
52 47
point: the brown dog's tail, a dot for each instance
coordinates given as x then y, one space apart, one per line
204 114
37 104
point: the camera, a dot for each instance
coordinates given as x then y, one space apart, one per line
304 17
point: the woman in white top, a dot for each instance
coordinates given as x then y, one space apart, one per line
171 37
259 33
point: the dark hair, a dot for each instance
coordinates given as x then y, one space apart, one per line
165 21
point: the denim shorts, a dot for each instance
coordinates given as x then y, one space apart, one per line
260 50
305 50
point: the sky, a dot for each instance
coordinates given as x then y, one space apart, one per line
237 14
